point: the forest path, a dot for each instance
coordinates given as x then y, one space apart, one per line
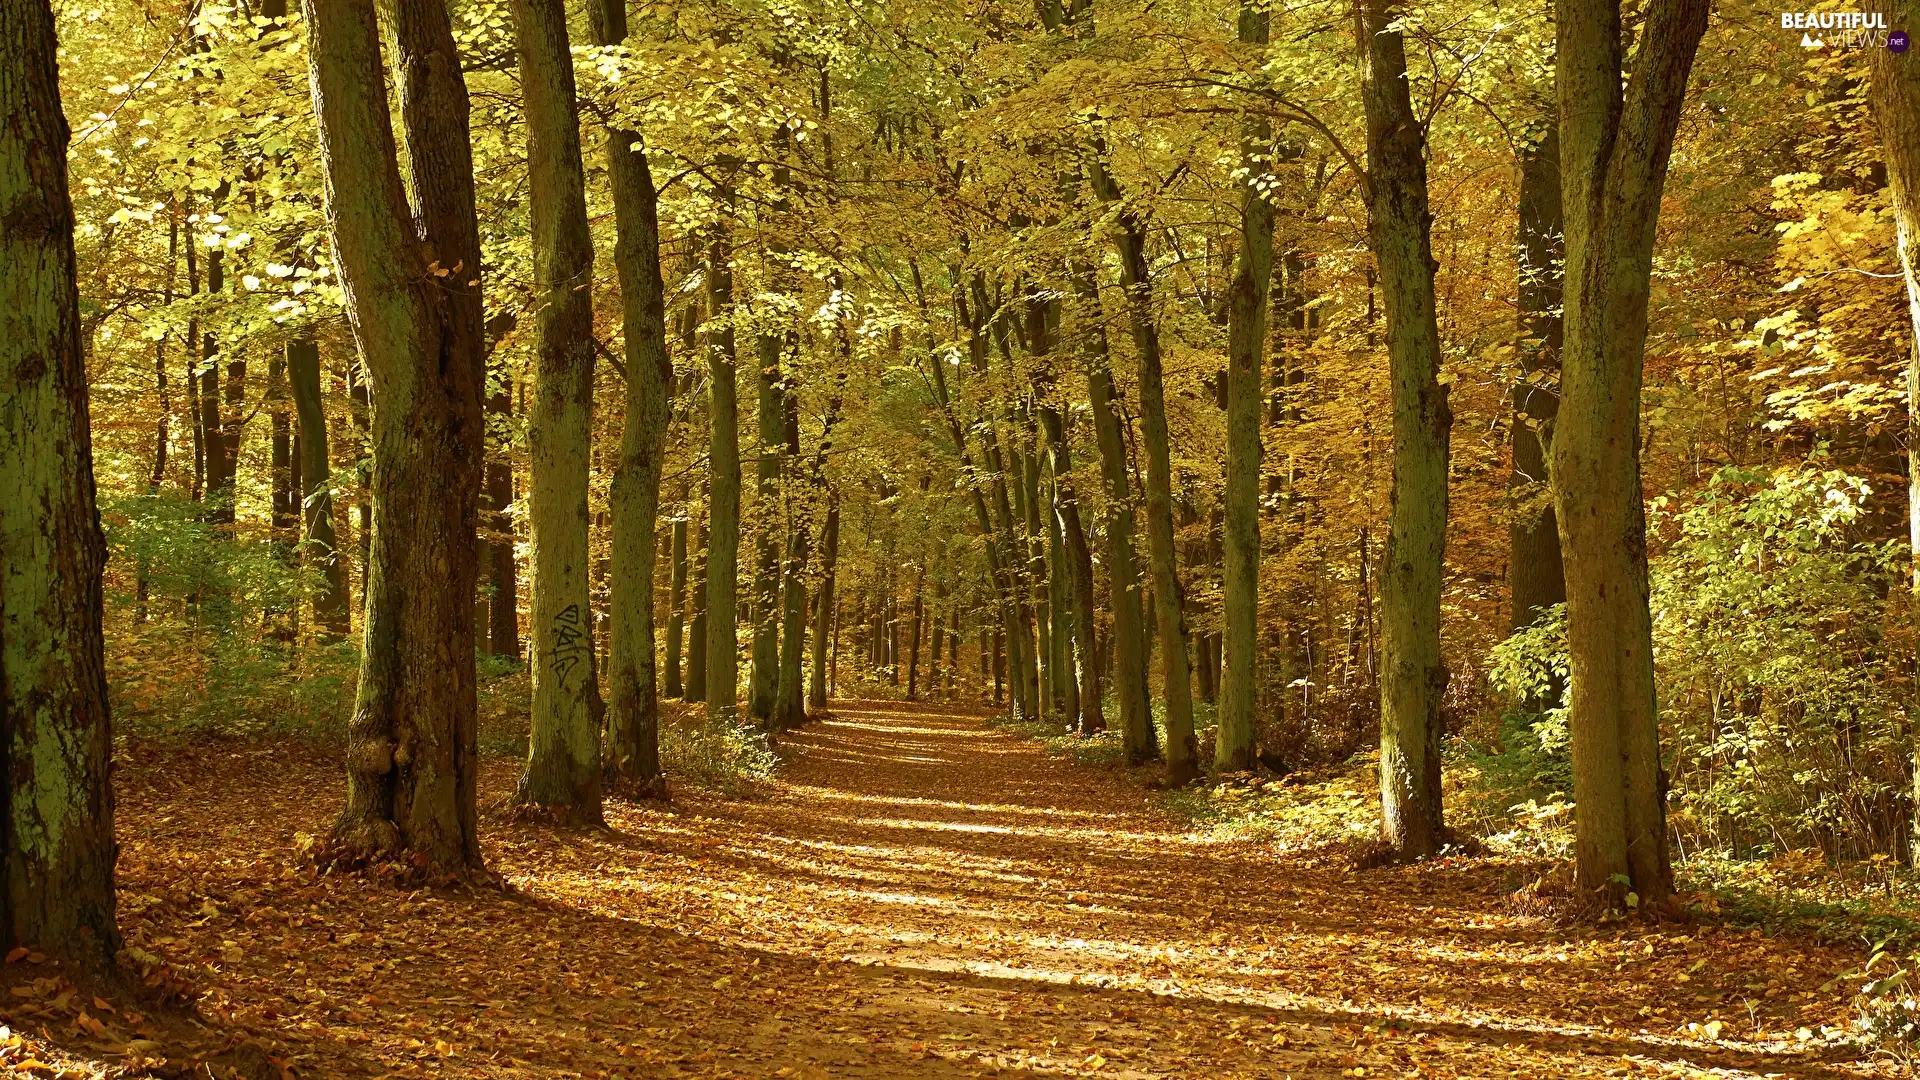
916 895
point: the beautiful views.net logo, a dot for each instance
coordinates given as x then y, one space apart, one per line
1845 30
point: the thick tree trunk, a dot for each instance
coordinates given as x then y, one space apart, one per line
723 474
1168 609
1896 105
1235 745
633 720
1123 578
1614 149
1536 577
330 606
412 740
1398 226
563 753
56 742
818 688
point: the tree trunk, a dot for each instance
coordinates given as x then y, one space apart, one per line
412 740
818 690
1168 609
1896 105
1614 150
763 680
1235 744
1398 226
330 606
696 678
56 742
913 653
1123 580
633 720
1077 574
723 472
1536 578
563 752
676 608
790 705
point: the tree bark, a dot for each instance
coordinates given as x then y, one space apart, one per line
1896 105
676 608
563 753
633 722
57 848
1123 578
723 473
1235 744
1176 678
818 689
696 677
1614 149
321 539
763 679
1536 577
412 740
1398 226
1077 573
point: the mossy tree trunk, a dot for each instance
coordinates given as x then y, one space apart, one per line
1235 743
1399 229
1123 576
1896 105
723 479
56 743
563 753
1614 148
412 739
633 720
1536 577
330 607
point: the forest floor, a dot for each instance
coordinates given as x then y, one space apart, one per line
915 895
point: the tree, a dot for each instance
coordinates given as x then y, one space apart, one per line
633 724
563 754
1614 149
723 480
321 540
1234 745
1399 227
1896 109
1536 578
412 739
56 741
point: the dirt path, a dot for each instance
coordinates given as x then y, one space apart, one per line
917 896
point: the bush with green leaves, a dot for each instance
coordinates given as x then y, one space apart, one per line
1774 613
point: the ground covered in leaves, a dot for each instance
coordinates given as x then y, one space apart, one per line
916 895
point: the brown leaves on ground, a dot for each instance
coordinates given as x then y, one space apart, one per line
916 896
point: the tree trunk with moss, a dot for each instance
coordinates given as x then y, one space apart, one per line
1614 147
320 537
56 743
723 478
1123 577
563 752
1399 230
633 717
1235 744
412 739
1536 577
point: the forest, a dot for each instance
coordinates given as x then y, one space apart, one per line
895 538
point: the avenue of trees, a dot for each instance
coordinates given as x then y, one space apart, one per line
1266 384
